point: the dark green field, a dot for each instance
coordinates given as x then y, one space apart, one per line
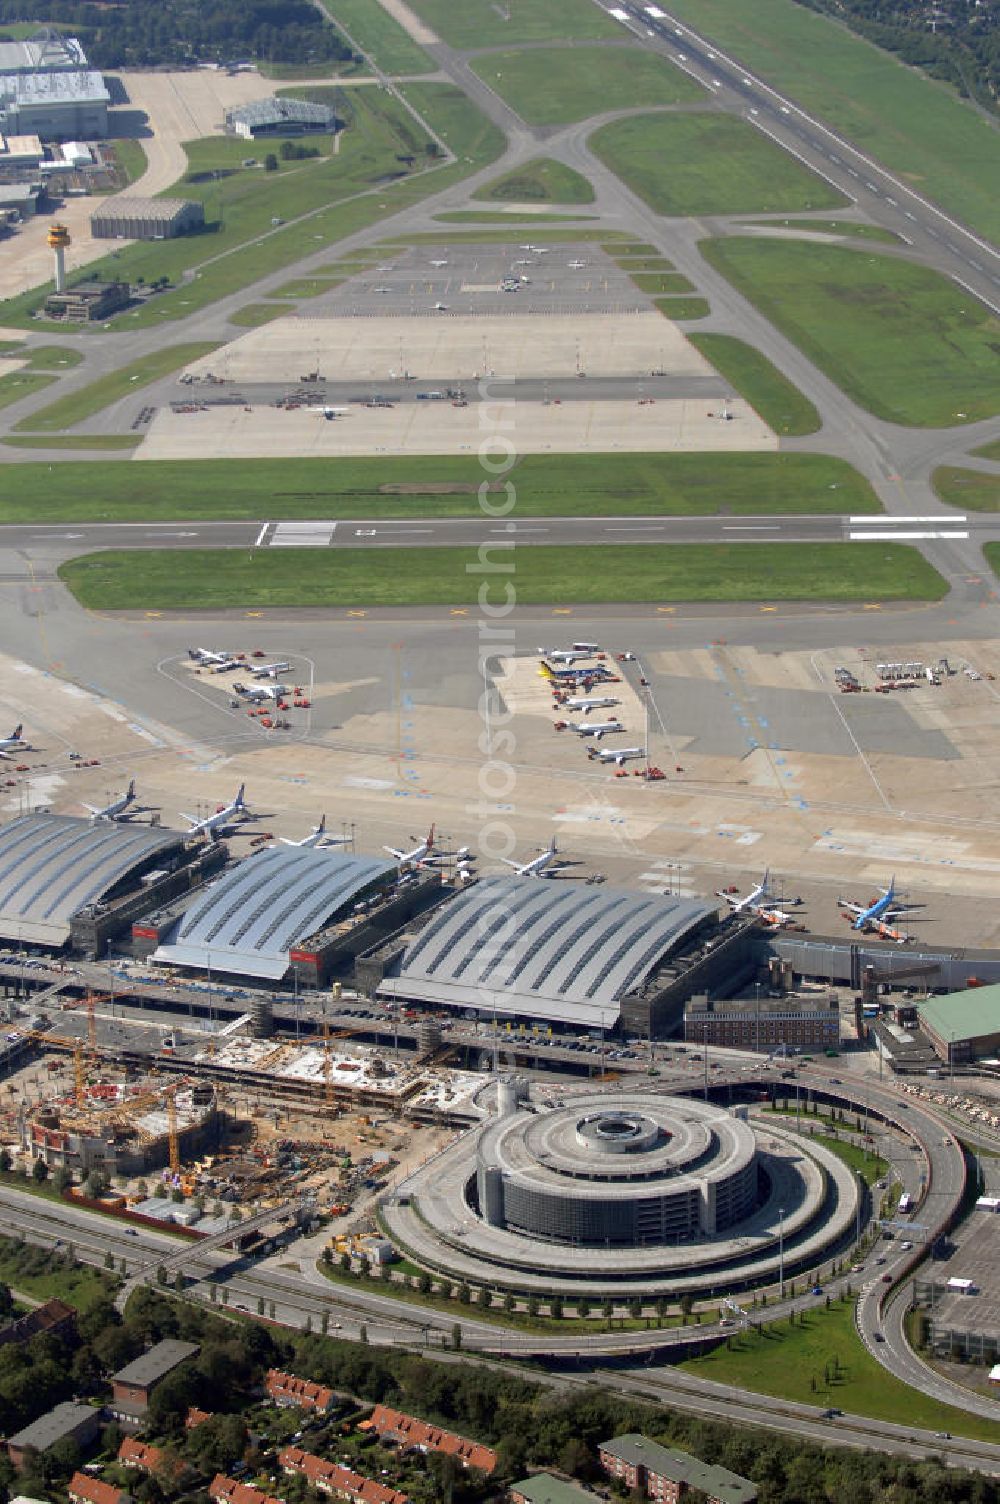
904 342
539 181
972 490
425 486
755 378
557 85
217 579
702 163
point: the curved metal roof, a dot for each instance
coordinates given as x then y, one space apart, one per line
254 914
543 947
51 866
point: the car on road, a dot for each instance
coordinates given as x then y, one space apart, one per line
887 1279
880 1259
878 1336
906 1244
816 1290
831 1413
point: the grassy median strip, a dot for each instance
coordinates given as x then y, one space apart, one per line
821 1360
73 441
218 579
558 85
77 406
481 23
843 228
683 308
973 490
917 127
541 180
902 341
714 165
989 451
557 485
769 393
372 28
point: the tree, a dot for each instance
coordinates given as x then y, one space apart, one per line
39 1172
424 1282
464 1294
532 1307
509 1303
686 1304
456 1335
5 1161
63 1179
270 162
556 1308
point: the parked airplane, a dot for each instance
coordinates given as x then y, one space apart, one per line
867 914
617 755
565 655
441 307
331 412
758 901
206 655
596 729
593 675
439 263
270 670
317 837
586 703
577 265
222 817
117 807
539 866
422 854
258 692
13 743
878 915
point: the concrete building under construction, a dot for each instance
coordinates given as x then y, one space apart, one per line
122 1131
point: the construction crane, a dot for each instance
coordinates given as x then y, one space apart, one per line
327 1066
173 1136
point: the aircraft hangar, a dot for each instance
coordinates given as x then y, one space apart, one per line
566 954
64 878
279 907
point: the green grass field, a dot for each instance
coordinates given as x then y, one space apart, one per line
632 264
52 357
664 282
217 579
306 287
75 407
992 552
916 127
16 385
683 308
254 314
648 485
708 164
473 138
989 451
845 229
484 217
494 237
379 35
481 23
131 160
557 85
539 181
973 490
796 1363
752 375
901 340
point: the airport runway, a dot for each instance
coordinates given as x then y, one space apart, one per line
26 543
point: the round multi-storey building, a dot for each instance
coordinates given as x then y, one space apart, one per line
627 1175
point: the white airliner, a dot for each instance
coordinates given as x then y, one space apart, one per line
420 856
878 915
441 307
13 743
258 692
317 837
759 901
206 655
331 412
439 263
117 807
565 655
270 670
617 755
586 703
596 729
577 265
222 817
539 866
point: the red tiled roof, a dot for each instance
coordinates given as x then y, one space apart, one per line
196 1417
226 1490
135 1453
94 1491
288 1386
334 1479
418 1433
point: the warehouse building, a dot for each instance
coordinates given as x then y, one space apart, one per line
19 200
55 106
146 218
764 1023
279 117
583 957
280 907
133 1385
67 1422
963 1026
46 52
20 151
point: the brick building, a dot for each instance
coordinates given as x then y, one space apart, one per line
394 1425
287 1389
543 1488
340 1482
83 1489
55 1318
66 1422
749 1024
665 1475
226 1490
132 1385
